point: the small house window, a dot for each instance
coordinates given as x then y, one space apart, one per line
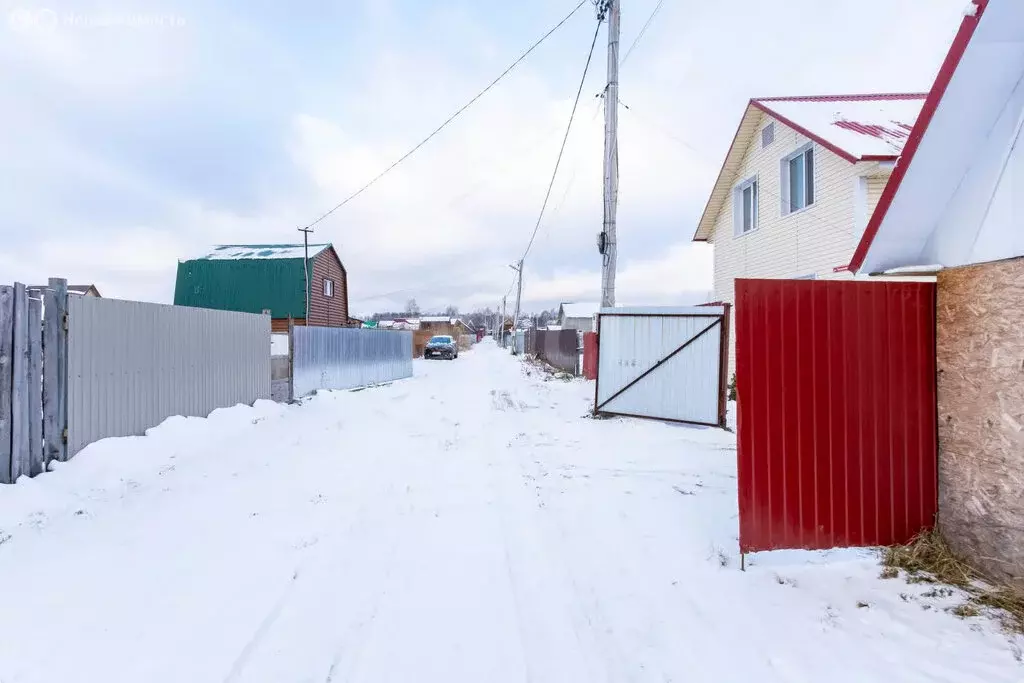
328 288
768 135
798 180
745 206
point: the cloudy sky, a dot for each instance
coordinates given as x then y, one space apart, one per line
133 134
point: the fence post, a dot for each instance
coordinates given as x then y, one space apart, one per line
291 359
19 385
55 371
6 342
36 463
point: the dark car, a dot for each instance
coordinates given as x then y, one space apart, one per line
442 346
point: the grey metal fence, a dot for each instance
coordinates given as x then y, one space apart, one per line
345 358
519 347
131 365
558 348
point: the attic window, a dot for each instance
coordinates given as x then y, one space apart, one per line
328 288
768 135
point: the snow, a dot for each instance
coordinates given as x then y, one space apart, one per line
912 270
891 119
581 309
228 252
665 310
500 536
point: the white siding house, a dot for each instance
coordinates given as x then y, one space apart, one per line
799 184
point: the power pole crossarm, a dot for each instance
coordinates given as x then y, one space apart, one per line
608 245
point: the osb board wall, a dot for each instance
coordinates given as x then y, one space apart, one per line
980 363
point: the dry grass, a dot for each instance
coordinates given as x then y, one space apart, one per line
929 559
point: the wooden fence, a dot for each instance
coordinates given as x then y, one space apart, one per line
33 378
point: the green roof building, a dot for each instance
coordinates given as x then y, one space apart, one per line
251 278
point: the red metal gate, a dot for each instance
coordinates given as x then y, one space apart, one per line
837 415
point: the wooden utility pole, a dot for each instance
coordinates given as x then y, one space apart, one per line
519 296
607 240
305 264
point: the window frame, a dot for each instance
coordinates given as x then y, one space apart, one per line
328 285
738 206
810 179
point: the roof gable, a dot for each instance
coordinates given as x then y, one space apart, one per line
854 127
950 199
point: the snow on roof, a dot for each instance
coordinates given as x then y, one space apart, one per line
854 126
241 252
584 309
435 319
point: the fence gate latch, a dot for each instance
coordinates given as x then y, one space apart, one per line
64 435
64 320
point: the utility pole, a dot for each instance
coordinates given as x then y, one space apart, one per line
606 240
501 325
305 264
519 295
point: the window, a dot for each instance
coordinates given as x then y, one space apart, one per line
768 135
328 288
745 206
798 180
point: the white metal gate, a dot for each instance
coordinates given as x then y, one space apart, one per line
663 363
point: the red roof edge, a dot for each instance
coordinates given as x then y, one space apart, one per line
803 131
931 105
846 98
880 157
725 160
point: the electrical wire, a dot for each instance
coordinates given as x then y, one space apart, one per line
565 139
643 30
451 118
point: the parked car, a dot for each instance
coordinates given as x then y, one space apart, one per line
442 346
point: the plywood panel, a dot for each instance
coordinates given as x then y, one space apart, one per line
980 355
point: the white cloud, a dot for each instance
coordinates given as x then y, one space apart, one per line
444 225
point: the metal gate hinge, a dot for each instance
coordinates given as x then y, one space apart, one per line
64 320
64 435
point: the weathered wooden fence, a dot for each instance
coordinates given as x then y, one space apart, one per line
33 378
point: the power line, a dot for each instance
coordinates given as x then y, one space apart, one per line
643 30
565 139
451 118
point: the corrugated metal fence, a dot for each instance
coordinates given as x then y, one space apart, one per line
837 414
131 365
558 348
340 358
665 363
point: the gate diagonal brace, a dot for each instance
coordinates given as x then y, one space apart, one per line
659 364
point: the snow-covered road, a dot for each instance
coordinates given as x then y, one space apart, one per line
468 525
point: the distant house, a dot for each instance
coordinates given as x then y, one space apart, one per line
255 277
798 184
577 316
80 290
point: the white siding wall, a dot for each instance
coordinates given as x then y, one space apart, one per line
812 241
